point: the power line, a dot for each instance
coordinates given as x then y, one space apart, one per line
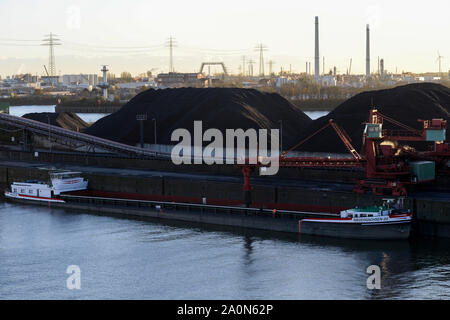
115 51
18 45
77 44
10 42
224 51
19 40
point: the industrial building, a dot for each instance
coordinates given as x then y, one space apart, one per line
177 80
79 79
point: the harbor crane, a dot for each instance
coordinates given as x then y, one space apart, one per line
50 78
389 168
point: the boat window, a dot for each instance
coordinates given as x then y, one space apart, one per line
363 215
15 190
30 191
62 175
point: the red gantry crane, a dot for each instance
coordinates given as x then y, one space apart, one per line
388 167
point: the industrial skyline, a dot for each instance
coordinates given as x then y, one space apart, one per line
229 32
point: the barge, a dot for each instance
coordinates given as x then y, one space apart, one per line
69 190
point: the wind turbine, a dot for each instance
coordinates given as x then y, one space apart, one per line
439 58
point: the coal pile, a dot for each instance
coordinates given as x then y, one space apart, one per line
64 120
221 108
405 104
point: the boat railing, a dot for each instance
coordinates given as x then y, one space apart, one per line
135 203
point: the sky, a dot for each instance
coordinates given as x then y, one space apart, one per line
131 35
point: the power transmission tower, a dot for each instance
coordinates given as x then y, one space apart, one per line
261 48
171 43
51 41
243 66
250 67
270 63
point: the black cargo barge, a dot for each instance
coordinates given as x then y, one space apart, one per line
233 216
230 216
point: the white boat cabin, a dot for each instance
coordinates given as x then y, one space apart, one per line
390 206
64 181
60 181
32 188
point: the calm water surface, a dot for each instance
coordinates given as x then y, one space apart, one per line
92 117
132 259
19 111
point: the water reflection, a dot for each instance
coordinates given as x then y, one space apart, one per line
248 248
136 259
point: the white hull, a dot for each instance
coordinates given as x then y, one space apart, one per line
375 228
12 195
392 219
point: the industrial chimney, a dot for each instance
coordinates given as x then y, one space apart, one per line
367 52
316 55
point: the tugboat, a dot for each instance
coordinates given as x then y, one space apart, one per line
35 190
386 222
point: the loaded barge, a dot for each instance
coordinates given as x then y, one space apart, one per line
69 190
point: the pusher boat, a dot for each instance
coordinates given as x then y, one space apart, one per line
386 222
35 190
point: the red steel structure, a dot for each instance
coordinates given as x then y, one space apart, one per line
386 165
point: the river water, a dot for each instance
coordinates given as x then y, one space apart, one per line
21 110
134 259
92 117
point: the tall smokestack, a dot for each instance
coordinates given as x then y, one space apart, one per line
367 52
316 56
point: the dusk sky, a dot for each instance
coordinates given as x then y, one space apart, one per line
131 35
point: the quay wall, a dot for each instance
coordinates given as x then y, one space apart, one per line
87 109
110 161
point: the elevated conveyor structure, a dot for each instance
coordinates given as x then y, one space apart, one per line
77 138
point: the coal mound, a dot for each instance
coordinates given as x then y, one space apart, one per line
405 104
221 108
66 120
